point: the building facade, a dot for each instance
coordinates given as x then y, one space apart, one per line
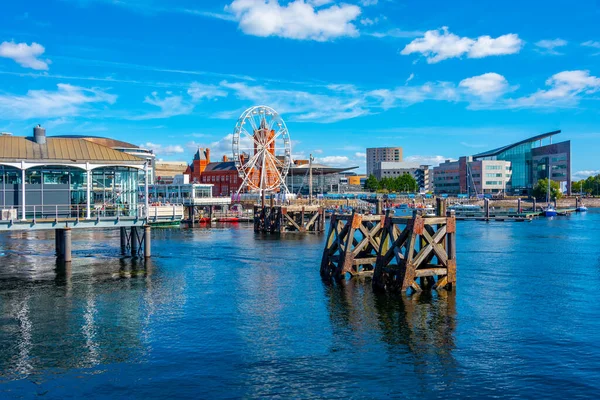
45 177
471 177
382 154
528 160
421 173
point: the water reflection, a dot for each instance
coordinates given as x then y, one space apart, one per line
421 327
80 320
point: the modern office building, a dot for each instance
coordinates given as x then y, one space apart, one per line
382 154
326 179
529 160
525 162
467 176
421 173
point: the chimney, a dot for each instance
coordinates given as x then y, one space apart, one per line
39 134
225 158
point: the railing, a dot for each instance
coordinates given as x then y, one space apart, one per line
66 211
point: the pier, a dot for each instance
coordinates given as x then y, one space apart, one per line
278 219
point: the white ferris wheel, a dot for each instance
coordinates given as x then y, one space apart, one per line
262 150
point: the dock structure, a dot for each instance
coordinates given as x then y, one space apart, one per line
402 253
279 219
352 245
419 247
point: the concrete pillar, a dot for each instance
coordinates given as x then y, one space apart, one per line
147 242
123 240
23 213
134 241
88 203
66 244
519 209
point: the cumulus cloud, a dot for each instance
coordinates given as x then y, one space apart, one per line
25 55
591 43
438 45
550 46
335 161
565 90
487 86
161 150
295 20
579 175
67 100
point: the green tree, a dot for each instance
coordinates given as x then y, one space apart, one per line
371 183
406 182
540 190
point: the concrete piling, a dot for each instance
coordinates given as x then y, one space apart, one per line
123 240
147 242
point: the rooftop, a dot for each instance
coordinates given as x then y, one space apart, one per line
67 150
499 150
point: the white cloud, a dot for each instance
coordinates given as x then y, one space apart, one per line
199 91
579 175
295 20
437 45
566 89
591 43
66 101
487 86
170 105
334 161
25 55
549 46
360 155
301 105
427 160
163 150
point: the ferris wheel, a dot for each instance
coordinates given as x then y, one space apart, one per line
261 150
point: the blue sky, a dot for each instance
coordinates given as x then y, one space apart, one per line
441 79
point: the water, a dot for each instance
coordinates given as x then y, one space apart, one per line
222 313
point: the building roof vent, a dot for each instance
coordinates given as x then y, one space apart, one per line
39 135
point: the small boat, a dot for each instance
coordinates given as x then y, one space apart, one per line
204 220
228 219
581 209
550 211
464 208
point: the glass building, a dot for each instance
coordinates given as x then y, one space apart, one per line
50 177
526 158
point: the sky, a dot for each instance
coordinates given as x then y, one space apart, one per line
441 79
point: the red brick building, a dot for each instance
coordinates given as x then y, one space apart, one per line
198 165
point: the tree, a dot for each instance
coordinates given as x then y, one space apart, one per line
406 182
540 190
371 183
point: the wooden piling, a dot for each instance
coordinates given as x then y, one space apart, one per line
519 209
418 247
440 206
352 245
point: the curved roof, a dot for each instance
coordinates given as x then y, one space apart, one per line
499 150
18 148
108 142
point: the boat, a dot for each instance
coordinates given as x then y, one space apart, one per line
464 208
581 209
550 211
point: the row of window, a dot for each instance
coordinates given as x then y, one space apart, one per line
219 178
